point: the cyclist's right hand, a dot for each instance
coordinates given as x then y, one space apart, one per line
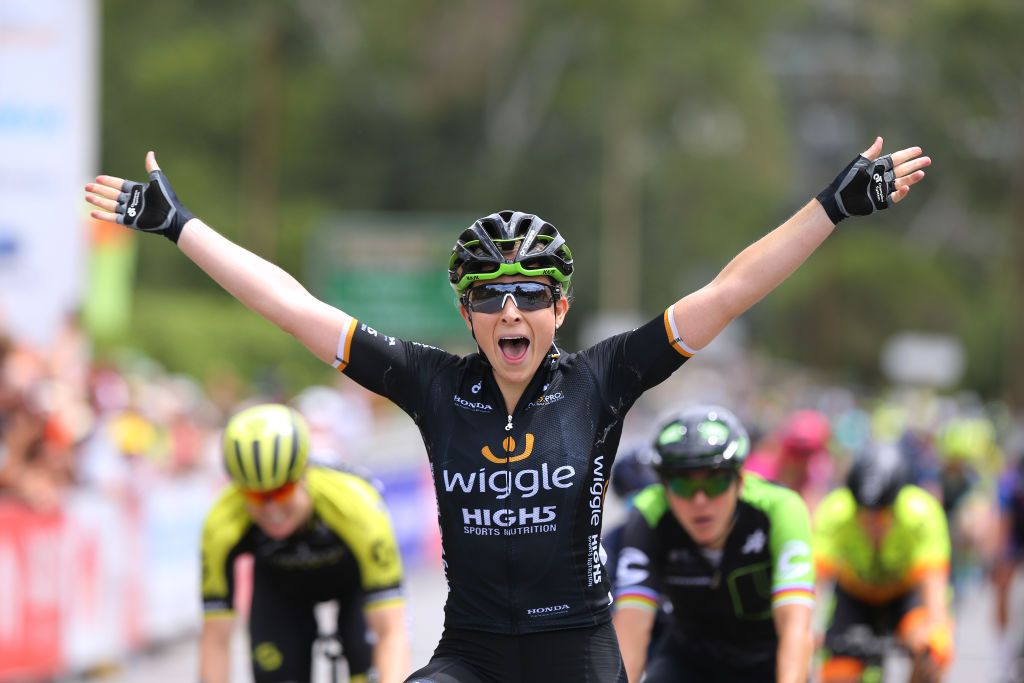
151 207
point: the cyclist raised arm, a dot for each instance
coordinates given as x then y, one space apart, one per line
260 285
867 184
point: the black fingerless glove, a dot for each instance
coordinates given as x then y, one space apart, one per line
862 188
152 207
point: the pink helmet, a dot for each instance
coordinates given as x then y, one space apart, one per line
805 432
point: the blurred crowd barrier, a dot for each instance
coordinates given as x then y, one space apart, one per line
90 581
107 469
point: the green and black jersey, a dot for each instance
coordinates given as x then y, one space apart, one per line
347 546
721 603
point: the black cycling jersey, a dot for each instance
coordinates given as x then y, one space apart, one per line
520 496
722 614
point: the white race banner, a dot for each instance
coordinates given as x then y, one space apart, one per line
48 140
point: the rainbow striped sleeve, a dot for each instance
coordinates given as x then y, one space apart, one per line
793 594
673 333
639 597
341 357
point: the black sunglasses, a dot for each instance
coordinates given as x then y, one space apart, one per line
490 297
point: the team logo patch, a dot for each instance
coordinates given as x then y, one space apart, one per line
267 657
384 554
508 445
754 543
546 399
477 406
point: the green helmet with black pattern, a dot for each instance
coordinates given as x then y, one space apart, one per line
509 243
700 438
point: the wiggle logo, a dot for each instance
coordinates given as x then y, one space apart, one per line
509 445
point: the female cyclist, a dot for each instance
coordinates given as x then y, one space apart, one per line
520 436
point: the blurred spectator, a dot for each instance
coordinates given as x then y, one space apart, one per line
798 456
340 421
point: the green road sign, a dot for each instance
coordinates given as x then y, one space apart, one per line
389 271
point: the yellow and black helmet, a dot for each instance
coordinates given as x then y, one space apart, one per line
266 447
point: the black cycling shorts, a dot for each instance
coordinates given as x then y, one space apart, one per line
680 658
680 668
282 628
587 655
854 622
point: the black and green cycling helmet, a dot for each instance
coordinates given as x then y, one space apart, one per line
509 243
700 438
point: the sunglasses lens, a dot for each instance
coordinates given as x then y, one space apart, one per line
485 299
278 495
712 485
717 485
533 296
682 487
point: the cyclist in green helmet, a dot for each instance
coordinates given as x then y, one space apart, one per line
730 551
520 436
316 535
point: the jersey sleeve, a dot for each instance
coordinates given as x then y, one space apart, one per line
223 534
355 511
790 542
396 369
630 363
932 547
638 583
829 520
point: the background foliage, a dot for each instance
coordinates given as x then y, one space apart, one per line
661 137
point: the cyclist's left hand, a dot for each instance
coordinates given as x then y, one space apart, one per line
872 183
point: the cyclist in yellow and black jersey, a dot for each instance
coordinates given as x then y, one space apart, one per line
885 545
315 534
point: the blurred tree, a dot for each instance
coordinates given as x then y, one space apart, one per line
972 100
661 136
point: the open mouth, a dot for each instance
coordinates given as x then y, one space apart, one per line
514 348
